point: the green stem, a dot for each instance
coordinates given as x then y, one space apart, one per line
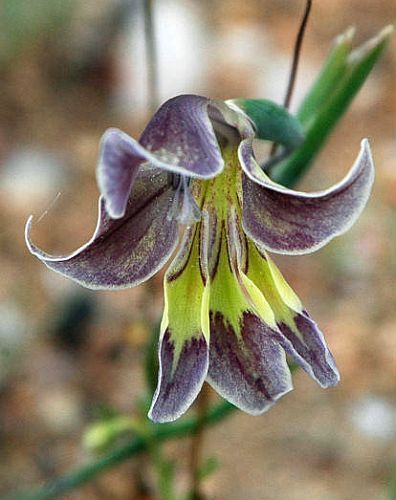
201 405
159 433
163 467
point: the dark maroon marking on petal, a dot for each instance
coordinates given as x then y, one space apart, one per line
180 262
246 245
312 354
135 207
203 247
182 134
236 242
178 388
287 221
214 258
124 252
213 237
252 372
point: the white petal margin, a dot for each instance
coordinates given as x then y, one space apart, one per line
293 222
122 252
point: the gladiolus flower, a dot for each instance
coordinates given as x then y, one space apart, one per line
230 317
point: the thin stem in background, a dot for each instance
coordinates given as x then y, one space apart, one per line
163 468
295 61
201 405
151 55
296 54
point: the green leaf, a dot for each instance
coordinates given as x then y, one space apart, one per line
329 78
272 121
359 64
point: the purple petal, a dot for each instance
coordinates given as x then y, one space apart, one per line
126 251
249 370
297 333
180 377
292 222
309 350
183 352
180 138
117 169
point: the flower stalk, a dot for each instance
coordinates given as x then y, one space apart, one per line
297 53
294 68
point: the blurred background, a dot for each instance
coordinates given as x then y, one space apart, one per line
70 69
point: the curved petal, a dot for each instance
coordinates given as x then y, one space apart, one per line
117 169
183 351
181 376
247 365
123 252
298 333
292 222
305 343
231 120
180 138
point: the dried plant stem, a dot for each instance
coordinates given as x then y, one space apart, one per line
151 55
295 61
296 54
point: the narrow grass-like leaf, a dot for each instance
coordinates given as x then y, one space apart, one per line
328 79
360 62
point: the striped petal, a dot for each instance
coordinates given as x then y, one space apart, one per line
299 335
292 222
247 365
183 351
126 251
